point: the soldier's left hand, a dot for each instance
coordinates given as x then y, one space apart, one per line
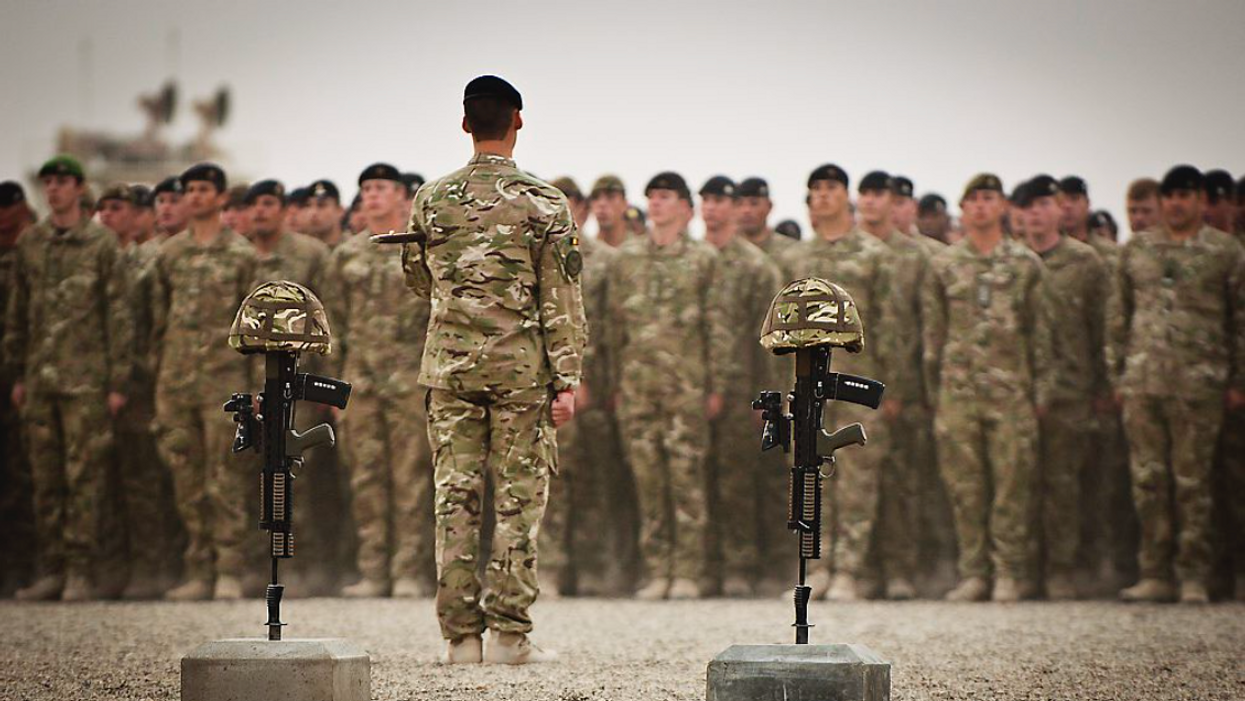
116 402
1235 399
563 407
713 405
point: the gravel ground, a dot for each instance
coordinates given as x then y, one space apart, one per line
622 650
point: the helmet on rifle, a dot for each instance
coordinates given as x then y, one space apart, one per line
809 313
281 316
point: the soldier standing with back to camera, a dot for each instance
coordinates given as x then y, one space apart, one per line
1175 357
67 344
501 265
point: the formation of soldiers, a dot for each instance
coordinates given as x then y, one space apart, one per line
1061 410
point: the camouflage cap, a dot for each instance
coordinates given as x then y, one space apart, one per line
235 198
812 312
281 316
11 193
62 165
983 181
608 183
568 187
116 191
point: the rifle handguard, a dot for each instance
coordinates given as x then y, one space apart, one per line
397 237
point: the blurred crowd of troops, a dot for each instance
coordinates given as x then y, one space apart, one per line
1064 414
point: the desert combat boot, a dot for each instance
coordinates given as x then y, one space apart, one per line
468 649
1153 590
516 649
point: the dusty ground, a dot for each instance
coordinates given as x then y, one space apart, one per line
628 650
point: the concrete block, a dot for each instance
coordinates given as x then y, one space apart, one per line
280 670
798 673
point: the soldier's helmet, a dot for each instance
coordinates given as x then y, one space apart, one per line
809 313
281 316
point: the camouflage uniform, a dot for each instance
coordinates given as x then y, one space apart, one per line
986 353
896 538
580 514
17 552
67 336
380 331
1077 286
501 266
668 341
739 519
1175 322
319 519
197 289
862 265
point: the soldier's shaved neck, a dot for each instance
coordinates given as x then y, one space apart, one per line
383 224
266 241
835 227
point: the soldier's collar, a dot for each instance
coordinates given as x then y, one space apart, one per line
73 233
491 159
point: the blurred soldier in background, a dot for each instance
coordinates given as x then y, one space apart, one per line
1142 203
789 228
237 213
18 548
324 213
1220 200
1077 286
636 221
608 201
67 344
895 538
669 339
986 353
741 532
842 252
171 215
932 219
1175 357
754 207
384 435
200 277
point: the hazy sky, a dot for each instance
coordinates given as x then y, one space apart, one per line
1109 89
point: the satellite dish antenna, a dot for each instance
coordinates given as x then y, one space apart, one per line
167 102
214 111
159 107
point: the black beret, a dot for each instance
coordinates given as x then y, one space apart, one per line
669 181
380 171
1073 185
719 185
412 181
492 86
634 214
144 198
325 189
207 172
789 228
171 184
1102 218
753 187
298 196
62 165
932 203
902 186
1182 177
1036 187
876 180
1219 185
265 187
11 193
828 171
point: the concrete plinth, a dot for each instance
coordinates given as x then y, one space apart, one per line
798 673
326 669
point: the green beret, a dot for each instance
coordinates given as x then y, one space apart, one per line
63 165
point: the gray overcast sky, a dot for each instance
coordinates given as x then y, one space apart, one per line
1110 90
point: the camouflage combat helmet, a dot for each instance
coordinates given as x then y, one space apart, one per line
812 312
281 316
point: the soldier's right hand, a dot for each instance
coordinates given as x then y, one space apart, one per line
563 407
18 395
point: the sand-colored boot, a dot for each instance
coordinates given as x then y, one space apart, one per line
515 648
683 589
970 589
366 589
1150 590
78 588
1060 587
468 649
737 587
413 588
900 589
193 590
657 589
843 588
1193 592
44 589
818 582
228 588
1006 591
549 586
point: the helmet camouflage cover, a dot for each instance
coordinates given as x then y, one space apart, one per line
281 316
812 312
